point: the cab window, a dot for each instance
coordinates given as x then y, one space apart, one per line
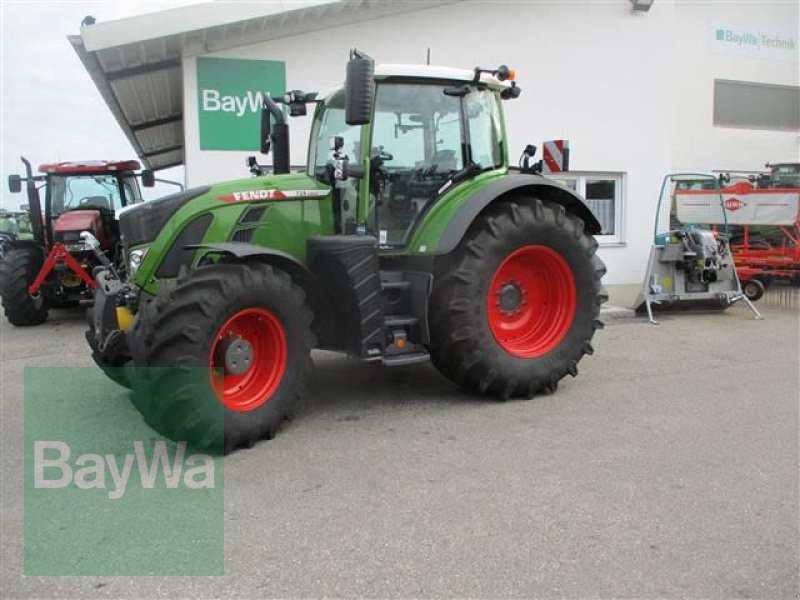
99 192
483 119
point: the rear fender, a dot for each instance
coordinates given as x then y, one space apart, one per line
533 186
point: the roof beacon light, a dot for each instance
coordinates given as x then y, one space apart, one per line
503 73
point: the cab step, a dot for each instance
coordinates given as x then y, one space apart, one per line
394 280
399 321
400 284
411 358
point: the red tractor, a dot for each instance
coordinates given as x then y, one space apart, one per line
78 218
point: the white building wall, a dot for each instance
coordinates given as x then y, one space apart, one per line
633 92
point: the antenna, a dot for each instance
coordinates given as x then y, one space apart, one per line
428 60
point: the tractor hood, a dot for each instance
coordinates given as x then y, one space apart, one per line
70 224
141 224
78 220
258 210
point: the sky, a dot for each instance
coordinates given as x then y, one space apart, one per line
50 110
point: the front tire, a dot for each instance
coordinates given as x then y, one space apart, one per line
113 362
18 269
227 352
516 304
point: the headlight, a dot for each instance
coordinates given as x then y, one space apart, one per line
135 259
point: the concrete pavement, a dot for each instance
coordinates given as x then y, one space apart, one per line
667 468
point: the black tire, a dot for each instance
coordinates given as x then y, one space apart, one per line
463 346
18 269
112 362
753 289
179 329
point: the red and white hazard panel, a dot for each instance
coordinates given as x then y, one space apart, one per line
556 156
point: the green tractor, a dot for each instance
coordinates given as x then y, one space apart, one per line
407 238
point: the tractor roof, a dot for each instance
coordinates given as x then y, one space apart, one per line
90 166
437 73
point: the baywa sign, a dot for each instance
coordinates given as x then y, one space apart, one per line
229 96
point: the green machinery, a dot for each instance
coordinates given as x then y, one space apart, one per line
408 237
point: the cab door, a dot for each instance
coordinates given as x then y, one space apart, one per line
417 144
423 135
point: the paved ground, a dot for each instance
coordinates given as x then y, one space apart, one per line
668 468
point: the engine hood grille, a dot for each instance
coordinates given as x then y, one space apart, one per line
142 224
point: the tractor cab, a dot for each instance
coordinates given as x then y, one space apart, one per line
85 196
394 140
426 133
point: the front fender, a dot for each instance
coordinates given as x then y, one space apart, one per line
244 251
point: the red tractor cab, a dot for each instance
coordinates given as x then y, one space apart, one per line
55 268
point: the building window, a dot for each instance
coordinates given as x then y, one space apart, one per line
750 105
603 193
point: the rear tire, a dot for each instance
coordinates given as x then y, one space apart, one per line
516 304
194 329
18 269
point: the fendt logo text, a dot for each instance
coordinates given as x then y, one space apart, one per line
88 471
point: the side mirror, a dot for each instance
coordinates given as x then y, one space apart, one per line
14 184
277 135
358 89
148 178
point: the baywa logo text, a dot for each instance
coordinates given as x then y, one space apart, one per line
757 40
52 468
215 101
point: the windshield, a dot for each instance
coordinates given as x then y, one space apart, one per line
329 124
332 124
99 192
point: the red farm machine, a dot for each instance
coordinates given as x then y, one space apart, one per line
74 231
764 213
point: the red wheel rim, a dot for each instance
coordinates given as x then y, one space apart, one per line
260 364
531 301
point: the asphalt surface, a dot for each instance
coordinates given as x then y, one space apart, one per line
667 468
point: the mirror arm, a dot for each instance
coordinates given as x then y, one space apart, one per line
274 110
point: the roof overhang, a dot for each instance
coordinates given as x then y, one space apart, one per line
137 63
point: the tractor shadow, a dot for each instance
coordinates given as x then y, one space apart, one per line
58 316
348 388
